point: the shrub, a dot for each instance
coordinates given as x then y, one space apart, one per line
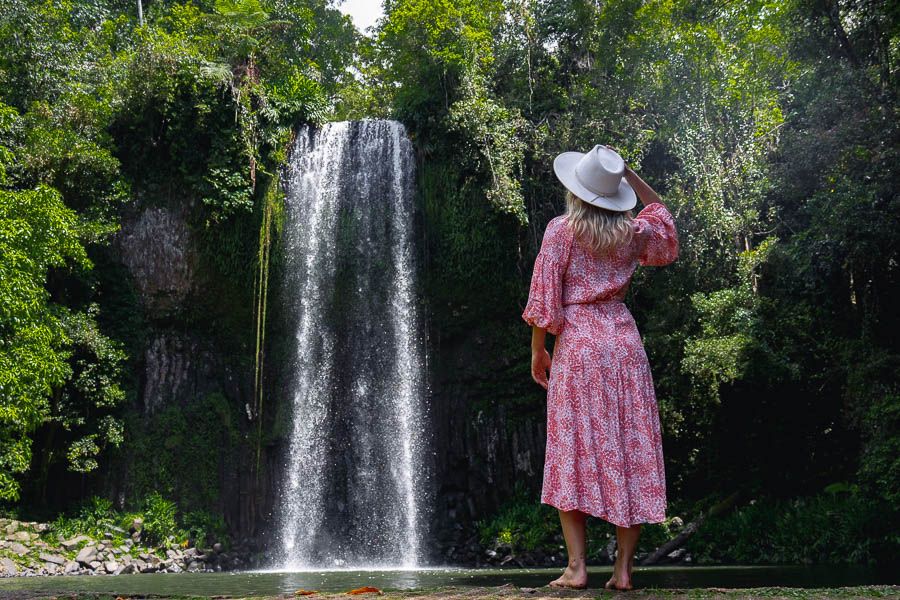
95 518
836 526
205 528
160 525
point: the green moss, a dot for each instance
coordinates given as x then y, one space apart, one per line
182 451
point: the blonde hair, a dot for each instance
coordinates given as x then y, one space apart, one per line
600 229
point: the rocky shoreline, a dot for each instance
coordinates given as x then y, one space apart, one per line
30 548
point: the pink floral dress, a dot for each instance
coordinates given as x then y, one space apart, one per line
604 448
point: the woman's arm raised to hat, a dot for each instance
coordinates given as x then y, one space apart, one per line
654 227
641 188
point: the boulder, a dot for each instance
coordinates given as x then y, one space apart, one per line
95 564
71 567
12 527
70 544
148 568
8 567
18 548
22 536
52 558
87 555
111 566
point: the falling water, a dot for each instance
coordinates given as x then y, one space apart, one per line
353 488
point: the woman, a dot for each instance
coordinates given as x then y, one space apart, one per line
604 449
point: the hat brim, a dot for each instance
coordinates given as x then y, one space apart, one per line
564 167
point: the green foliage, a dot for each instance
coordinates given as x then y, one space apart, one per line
770 131
879 465
524 524
730 328
424 38
297 97
163 524
462 229
205 528
160 526
769 128
85 408
186 110
96 518
492 135
37 233
182 450
521 524
841 526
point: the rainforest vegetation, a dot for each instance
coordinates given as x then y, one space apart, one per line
769 128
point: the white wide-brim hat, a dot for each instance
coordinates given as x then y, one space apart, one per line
596 177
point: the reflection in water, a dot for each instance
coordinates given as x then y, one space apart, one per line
263 583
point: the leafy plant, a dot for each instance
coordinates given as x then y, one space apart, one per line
160 525
205 528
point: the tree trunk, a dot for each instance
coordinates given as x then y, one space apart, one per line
690 529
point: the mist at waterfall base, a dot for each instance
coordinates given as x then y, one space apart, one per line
353 490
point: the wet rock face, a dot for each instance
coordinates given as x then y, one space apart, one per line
175 367
157 247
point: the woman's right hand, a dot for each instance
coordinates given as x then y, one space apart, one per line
540 366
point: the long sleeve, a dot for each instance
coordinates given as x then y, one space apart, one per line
545 298
655 236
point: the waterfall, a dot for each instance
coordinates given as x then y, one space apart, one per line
353 488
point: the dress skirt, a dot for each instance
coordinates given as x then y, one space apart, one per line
604 445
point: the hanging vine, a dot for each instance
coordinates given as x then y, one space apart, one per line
271 205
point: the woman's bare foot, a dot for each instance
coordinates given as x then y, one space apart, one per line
621 579
575 576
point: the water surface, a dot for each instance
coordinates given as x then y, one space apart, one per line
273 583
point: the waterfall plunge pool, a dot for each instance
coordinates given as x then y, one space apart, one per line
271 583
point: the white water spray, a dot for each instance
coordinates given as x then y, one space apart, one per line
353 485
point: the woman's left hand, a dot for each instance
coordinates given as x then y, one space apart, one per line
540 366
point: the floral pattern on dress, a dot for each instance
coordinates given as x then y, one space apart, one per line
604 445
